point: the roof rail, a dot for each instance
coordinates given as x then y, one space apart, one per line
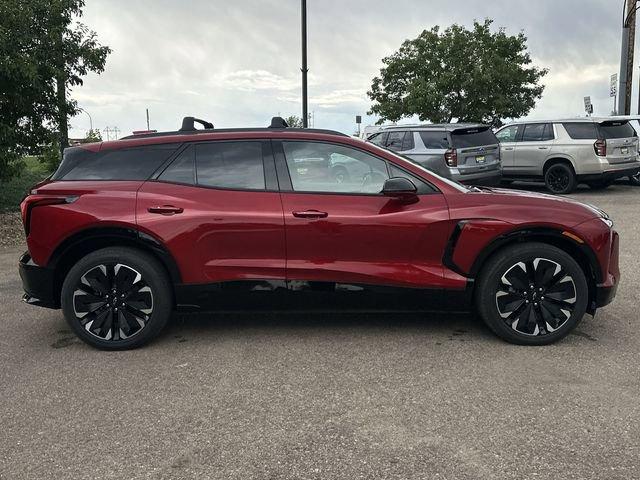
188 124
278 122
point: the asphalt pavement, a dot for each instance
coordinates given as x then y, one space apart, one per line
331 396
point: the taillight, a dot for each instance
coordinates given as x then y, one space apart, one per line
32 201
451 157
600 147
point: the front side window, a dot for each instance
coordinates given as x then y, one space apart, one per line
232 165
182 169
378 138
394 142
325 167
508 134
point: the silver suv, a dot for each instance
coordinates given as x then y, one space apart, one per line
595 151
468 153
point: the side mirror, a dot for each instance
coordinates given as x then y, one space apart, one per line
399 187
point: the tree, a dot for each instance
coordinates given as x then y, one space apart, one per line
294 121
468 75
44 51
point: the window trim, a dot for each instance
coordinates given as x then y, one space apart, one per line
284 176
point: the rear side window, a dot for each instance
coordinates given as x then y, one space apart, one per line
617 130
537 132
122 164
581 130
233 165
473 137
435 140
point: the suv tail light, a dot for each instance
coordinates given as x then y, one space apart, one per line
32 201
600 147
451 157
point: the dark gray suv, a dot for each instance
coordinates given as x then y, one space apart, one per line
467 153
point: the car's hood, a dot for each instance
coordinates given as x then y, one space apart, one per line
544 197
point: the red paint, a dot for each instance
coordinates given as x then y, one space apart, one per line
222 235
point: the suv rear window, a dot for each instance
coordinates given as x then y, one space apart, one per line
617 130
581 130
473 137
122 164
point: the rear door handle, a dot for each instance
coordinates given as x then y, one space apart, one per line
508 148
310 214
165 210
543 148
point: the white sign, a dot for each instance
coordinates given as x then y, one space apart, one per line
614 85
587 105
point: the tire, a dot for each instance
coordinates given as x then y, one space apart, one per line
140 284
524 315
599 184
560 179
635 179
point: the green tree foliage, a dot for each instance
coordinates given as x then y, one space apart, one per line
43 52
294 121
469 75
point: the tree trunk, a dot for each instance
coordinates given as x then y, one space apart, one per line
61 93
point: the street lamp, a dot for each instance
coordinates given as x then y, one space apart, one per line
90 119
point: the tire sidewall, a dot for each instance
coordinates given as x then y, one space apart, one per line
152 272
500 263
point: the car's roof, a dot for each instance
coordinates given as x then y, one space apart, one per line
570 120
449 127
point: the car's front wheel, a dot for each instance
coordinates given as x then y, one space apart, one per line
117 298
532 294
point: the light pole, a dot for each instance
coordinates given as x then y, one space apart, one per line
304 69
90 119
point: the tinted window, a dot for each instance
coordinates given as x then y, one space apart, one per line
548 132
407 142
325 167
617 130
394 141
473 137
122 164
581 130
533 132
378 138
423 187
508 134
182 168
435 140
235 165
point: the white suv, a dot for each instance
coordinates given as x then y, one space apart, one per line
567 152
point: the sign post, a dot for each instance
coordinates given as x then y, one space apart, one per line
613 91
588 107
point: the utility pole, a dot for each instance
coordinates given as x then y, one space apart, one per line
304 69
148 119
626 56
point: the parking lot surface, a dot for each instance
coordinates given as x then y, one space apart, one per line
325 395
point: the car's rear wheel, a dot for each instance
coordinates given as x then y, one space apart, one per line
599 184
117 298
635 179
532 294
560 179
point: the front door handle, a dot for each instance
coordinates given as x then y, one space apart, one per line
508 148
165 210
543 148
310 214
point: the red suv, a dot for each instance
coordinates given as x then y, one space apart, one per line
125 232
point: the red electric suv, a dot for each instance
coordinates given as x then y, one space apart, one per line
127 231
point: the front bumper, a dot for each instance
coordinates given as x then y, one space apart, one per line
38 283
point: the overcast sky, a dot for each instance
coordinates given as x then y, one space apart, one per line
237 63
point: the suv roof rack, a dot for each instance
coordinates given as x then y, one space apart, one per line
188 128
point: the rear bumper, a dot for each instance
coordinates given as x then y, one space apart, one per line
484 179
610 175
605 295
38 283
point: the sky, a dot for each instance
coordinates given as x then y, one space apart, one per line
237 63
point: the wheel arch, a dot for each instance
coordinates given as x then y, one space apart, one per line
89 240
555 159
580 252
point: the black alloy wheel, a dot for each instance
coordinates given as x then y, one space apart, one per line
532 293
117 298
560 179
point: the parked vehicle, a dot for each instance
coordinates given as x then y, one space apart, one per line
127 231
563 153
467 153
